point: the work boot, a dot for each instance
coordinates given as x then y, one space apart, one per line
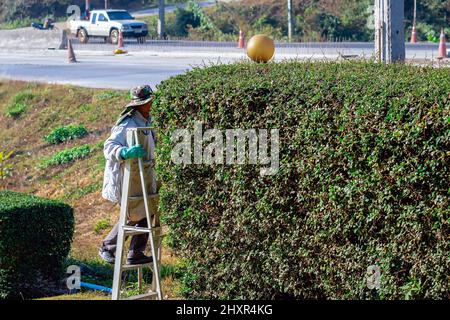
138 258
107 256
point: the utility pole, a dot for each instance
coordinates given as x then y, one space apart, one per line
88 6
389 31
106 4
290 23
161 20
414 29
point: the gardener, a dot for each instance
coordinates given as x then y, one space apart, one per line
136 114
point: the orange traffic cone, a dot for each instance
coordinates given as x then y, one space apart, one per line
71 53
414 35
241 43
442 46
120 44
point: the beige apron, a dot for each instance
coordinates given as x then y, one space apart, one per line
136 208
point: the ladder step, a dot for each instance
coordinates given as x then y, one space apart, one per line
135 230
129 231
137 266
150 196
144 296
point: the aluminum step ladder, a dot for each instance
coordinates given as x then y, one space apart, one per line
154 231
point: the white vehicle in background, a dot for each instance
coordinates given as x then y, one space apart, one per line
107 24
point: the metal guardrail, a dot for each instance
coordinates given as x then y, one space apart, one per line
313 49
227 44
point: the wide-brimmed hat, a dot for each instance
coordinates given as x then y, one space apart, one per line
140 96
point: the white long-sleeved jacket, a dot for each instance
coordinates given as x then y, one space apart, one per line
113 176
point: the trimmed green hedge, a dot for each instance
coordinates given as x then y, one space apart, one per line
35 238
363 181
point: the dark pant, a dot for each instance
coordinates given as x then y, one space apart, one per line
138 242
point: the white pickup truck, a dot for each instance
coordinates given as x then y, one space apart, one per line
106 24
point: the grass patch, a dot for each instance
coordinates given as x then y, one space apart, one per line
15 24
15 110
18 104
175 271
99 145
87 107
87 295
23 97
98 163
94 271
101 225
65 133
110 94
5 167
81 192
67 155
99 272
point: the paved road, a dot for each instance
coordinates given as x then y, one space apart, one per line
97 70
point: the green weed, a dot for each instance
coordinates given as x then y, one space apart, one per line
80 192
110 94
15 110
5 167
65 133
23 97
18 104
101 225
67 155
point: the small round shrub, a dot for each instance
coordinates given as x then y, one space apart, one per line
35 238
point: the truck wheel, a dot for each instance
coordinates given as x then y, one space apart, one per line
83 36
114 36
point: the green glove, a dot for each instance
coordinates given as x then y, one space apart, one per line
133 152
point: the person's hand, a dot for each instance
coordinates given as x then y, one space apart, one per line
133 152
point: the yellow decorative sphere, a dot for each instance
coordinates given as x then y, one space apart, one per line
260 48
